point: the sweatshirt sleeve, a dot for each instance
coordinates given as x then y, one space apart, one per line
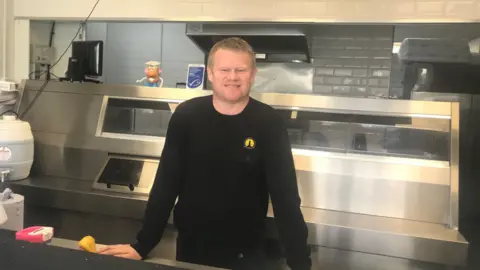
166 187
283 190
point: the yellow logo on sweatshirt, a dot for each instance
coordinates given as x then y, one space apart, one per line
249 143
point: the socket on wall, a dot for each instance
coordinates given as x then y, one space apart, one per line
7 86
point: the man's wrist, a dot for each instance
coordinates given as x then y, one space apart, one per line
140 250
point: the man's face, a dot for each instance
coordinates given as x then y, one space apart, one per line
231 75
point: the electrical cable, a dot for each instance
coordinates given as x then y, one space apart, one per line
50 43
30 105
69 45
54 75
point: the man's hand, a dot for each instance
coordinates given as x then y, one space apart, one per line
123 251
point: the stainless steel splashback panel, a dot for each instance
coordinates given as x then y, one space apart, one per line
291 78
374 181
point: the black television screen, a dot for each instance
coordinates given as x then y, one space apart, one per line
86 60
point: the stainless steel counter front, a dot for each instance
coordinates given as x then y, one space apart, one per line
353 231
376 176
70 226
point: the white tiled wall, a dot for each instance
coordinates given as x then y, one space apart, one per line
352 60
254 10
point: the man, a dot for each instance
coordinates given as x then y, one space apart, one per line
223 155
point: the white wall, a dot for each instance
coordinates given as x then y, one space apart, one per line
2 30
6 57
64 33
254 10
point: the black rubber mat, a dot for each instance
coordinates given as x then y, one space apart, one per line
20 255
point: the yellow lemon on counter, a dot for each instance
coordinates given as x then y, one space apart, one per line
88 244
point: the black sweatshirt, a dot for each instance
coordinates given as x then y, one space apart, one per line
222 168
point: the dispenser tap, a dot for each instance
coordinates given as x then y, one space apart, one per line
4 174
5 195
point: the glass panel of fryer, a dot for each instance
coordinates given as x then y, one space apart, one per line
137 117
410 136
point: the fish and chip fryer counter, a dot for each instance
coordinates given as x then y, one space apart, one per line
375 175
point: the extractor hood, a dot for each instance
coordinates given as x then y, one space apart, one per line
271 42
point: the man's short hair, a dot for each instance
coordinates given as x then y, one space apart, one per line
232 44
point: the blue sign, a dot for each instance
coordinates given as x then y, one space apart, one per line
195 77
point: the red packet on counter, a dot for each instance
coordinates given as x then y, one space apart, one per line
35 234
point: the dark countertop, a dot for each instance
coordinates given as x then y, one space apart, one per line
61 254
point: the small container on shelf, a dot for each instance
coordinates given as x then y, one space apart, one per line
35 234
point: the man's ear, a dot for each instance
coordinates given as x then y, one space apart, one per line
254 73
210 73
